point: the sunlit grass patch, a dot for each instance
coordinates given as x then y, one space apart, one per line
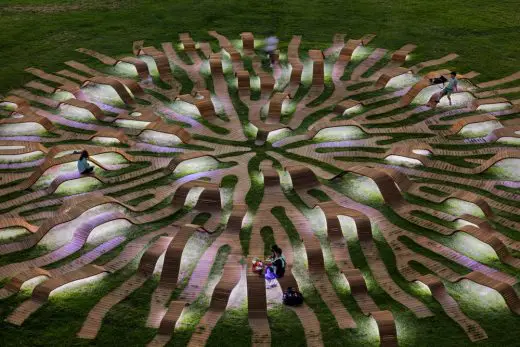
7 234
360 188
108 231
102 93
19 129
159 138
76 113
403 81
77 186
125 69
339 134
479 129
507 169
103 140
457 207
20 158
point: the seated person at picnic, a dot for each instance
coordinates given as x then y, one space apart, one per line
277 267
83 166
452 86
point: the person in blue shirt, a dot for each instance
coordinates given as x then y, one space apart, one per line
271 44
83 166
453 84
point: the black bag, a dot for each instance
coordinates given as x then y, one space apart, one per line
292 297
438 80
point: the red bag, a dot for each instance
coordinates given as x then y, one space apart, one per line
258 266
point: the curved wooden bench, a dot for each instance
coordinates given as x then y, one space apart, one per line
359 291
452 309
256 291
376 265
215 63
384 182
64 84
485 233
303 179
187 42
307 317
42 291
183 157
51 161
172 129
170 318
387 330
146 266
248 41
91 107
294 59
117 85
226 45
64 215
230 278
78 240
140 66
161 61
316 266
490 101
346 52
169 274
275 107
401 54
266 82
457 126
388 74
344 105
202 101
9 222
505 290
497 134
318 68
417 88
20 103
243 80
209 196
17 281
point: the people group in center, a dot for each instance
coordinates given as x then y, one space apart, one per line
272 268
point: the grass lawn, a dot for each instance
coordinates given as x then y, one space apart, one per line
45 33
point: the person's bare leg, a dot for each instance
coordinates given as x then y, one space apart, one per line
449 99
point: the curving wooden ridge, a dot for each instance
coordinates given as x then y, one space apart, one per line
275 107
161 61
318 68
145 269
452 309
402 53
202 101
248 41
419 157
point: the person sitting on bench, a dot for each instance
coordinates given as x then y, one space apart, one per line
83 166
277 267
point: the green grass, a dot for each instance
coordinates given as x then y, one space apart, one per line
456 27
